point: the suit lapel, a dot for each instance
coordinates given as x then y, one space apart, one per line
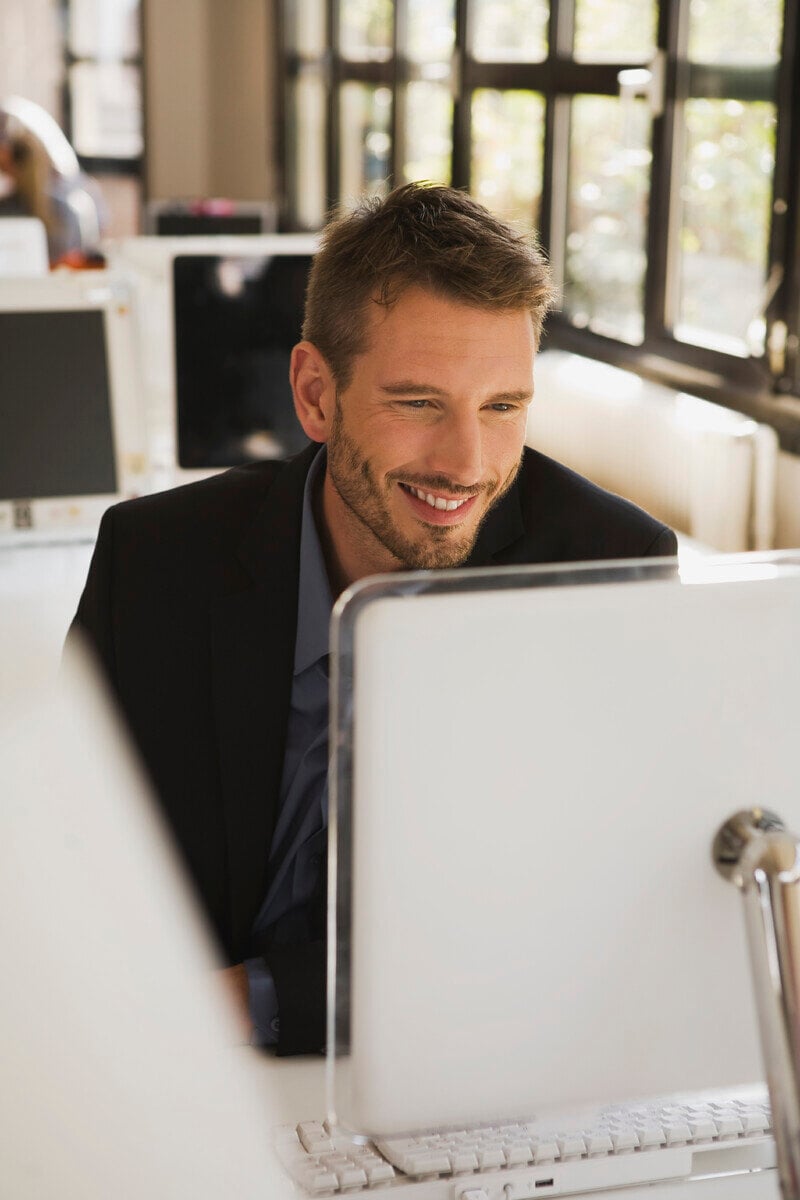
503 526
253 636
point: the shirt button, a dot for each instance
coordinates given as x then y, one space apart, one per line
315 860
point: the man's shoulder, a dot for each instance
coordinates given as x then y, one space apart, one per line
584 517
237 488
220 502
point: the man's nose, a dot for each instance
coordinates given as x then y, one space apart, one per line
457 450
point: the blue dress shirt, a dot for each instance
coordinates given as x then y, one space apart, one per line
299 841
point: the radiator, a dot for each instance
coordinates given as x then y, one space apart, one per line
705 470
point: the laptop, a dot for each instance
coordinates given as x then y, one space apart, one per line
539 984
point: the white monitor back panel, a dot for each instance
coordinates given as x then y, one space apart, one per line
23 247
538 777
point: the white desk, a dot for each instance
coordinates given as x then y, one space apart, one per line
40 586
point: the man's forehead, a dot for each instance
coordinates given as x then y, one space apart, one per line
427 315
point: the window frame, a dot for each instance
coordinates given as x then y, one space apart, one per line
767 388
133 166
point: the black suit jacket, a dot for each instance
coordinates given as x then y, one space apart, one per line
191 603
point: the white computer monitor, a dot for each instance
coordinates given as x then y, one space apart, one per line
531 765
73 434
216 330
23 247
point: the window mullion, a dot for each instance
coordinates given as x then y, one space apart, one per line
400 76
333 165
661 228
461 169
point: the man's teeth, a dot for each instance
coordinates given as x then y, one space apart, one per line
437 501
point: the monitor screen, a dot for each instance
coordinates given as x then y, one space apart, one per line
57 425
236 321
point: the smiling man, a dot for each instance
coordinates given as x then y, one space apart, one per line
209 605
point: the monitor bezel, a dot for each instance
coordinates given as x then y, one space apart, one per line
90 291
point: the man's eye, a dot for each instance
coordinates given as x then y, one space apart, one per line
415 403
503 408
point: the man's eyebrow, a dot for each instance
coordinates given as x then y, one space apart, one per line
404 388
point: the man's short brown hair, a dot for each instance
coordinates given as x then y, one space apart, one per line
424 235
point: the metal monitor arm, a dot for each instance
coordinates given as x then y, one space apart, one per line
754 850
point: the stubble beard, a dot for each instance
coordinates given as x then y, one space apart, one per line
437 546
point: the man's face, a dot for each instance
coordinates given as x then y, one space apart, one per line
428 434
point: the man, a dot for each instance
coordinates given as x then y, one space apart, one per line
209 604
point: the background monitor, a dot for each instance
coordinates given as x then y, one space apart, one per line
73 439
217 318
236 321
199 218
23 247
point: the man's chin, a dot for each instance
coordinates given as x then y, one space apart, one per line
438 552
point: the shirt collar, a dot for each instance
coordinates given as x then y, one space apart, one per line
314 599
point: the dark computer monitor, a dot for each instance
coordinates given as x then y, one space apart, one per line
236 319
59 441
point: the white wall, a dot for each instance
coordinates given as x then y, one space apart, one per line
209 98
31 59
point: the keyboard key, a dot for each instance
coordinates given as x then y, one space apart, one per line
492 1156
624 1140
755 1122
598 1143
318 1181
314 1137
352 1177
729 1125
650 1135
703 1129
571 1146
430 1163
380 1172
464 1160
678 1134
545 1151
517 1153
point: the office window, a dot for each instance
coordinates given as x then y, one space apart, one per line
609 184
104 95
653 145
507 147
103 103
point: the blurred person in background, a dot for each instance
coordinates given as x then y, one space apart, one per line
40 177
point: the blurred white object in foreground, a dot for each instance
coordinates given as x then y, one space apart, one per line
121 1076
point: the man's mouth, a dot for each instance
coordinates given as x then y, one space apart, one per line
435 501
435 508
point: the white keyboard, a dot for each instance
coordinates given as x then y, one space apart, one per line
323 1159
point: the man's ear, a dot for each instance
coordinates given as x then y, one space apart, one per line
314 391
